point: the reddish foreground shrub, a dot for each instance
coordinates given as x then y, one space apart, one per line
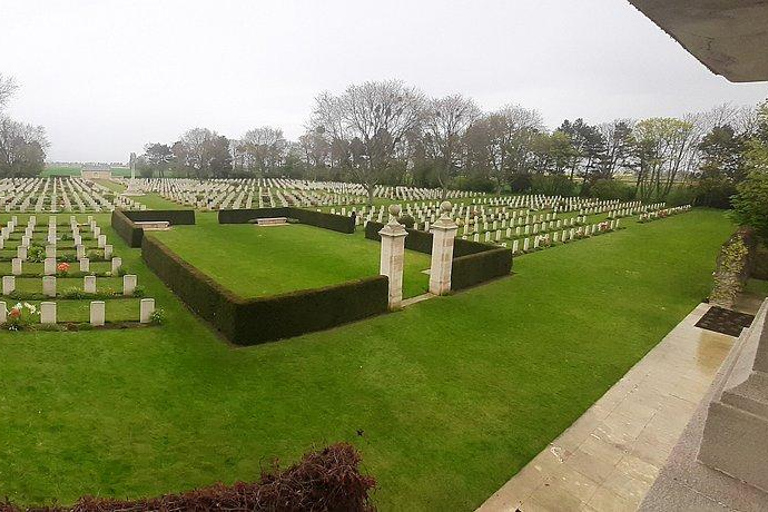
328 480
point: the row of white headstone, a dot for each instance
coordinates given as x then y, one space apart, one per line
238 193
130 282
66 194
98 312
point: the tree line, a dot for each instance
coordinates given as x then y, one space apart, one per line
22 145
390 133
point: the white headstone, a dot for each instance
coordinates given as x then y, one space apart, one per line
16 266
85 265
98 312
50 266
89 284
129 284
49 286
48 312
9 284
146 308
116 264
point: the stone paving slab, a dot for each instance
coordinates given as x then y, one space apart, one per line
610 457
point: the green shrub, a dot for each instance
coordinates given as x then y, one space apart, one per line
610 189
751 203
157 317
36 254
555 185
681 195
407 221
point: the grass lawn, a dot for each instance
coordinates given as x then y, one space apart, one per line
111 185
51 171
454 395
256 261
156 202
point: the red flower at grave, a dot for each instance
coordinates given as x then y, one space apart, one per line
14 313
63 267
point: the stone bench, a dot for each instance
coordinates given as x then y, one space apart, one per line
272 221
154 225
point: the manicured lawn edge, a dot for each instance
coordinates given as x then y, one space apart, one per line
262 319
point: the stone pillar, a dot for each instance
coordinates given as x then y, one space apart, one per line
49 286
392 253
146 308
9 284
47 312
85 264
98 312
443 235
116 264
129 284
89 284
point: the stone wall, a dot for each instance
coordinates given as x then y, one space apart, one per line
736 430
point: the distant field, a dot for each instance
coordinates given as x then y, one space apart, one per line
75 171
60 171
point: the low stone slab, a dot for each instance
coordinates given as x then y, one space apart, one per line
154 225
272 221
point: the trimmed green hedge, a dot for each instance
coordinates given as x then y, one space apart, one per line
253 321
292 314
421 241
339 223
474 269
200 293
123 221
174 217
473 262
126 229
243 216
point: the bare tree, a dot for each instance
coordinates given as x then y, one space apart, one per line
618 146
509 135
22 148
7 88
264 150
367 124
446 121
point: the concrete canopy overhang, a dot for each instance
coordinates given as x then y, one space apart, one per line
730 37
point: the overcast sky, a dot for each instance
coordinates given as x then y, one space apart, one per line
105 77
